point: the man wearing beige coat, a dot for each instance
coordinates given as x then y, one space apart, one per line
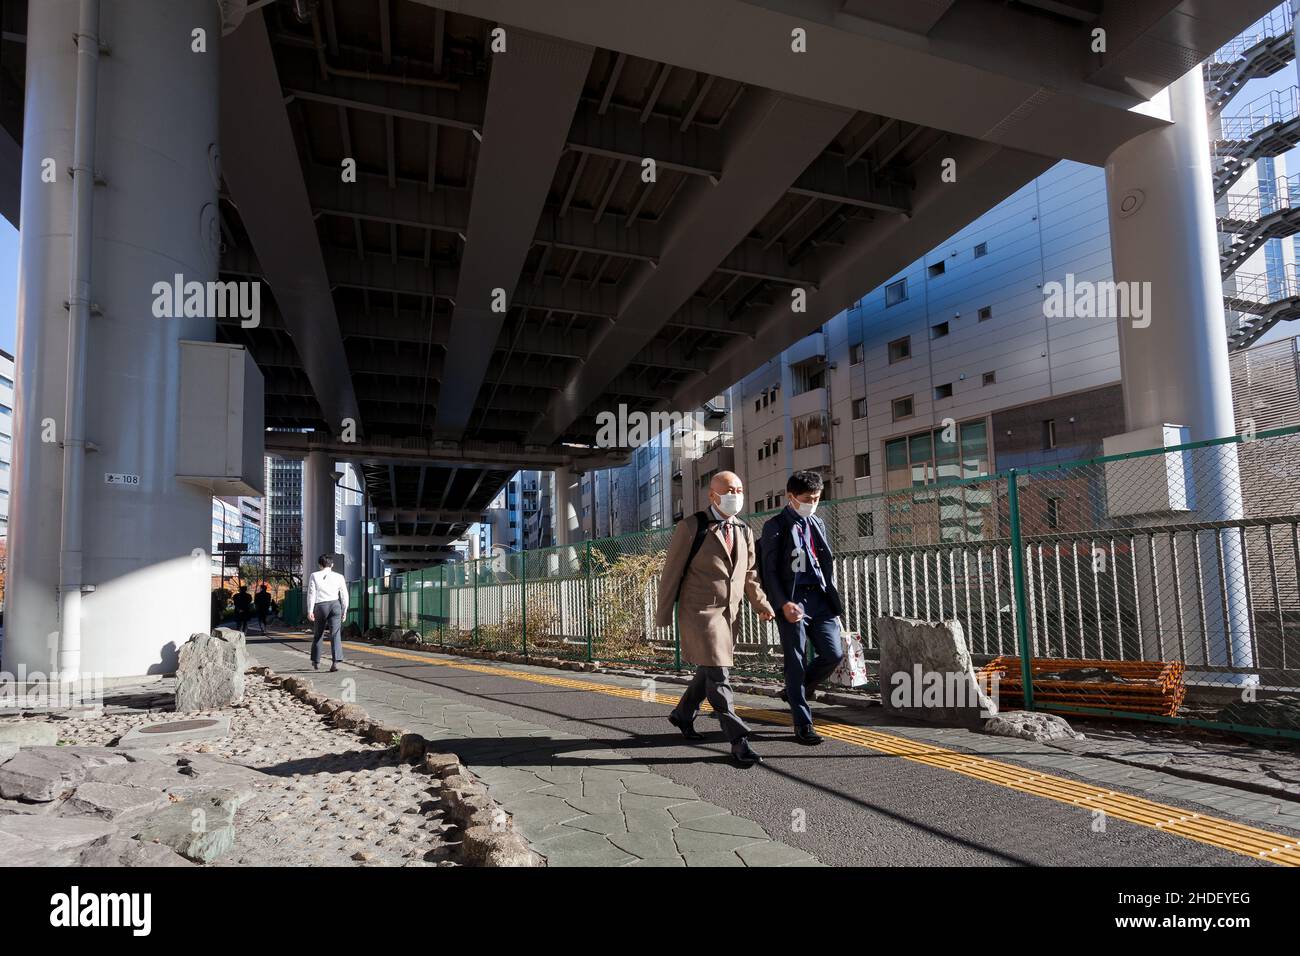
710 565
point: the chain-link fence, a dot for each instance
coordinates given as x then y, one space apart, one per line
1162 583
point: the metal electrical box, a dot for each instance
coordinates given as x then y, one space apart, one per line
221 422
1148 484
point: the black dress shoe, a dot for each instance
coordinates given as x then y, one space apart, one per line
785 698
685 726
806 735
743 754
333 668
315 665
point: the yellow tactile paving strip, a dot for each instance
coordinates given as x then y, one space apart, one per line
1224 834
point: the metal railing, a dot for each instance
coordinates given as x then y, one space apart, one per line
1275 23
1276 106
1187 554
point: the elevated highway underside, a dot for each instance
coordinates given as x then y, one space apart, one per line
565 207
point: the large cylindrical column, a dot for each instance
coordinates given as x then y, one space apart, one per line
144 570
352 549
1174 360
566 514
317 509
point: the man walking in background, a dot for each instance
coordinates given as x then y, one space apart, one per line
799 579
710 566
262 605
327 602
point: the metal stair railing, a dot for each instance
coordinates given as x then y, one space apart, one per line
1267 126
1263 300
1271 211
1260 50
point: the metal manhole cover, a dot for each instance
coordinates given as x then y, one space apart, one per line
178 727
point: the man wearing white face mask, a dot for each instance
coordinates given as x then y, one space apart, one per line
710 565
799 579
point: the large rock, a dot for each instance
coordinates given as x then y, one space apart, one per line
53 834
1031 725
117 851
926 673
200 828
486 846
41 774
110 801
210 674
28 733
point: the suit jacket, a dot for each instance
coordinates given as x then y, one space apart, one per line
711 592
777 546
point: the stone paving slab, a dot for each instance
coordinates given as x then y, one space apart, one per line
551 763
578 805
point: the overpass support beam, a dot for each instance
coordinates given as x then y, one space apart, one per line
142 535
1174 359
532 94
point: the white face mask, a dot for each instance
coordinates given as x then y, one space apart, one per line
805 508
731 503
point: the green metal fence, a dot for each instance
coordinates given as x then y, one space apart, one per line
1188 555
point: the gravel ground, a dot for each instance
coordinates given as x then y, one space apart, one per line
330 798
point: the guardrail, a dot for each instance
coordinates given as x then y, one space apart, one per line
1188 553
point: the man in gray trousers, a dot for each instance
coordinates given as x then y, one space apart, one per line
327 602
708 570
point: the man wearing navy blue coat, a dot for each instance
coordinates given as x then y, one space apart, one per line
798 577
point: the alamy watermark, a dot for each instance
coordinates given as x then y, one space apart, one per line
1088 299
211 300
622 428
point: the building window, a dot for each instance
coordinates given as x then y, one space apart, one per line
937 269
896 292
1049 434
1053 512
862 465
859 408
856 354
981 250
939 331
943 391
990 378
900 349
866 524
758 404
985 313
902 408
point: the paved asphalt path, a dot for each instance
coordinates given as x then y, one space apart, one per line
845 804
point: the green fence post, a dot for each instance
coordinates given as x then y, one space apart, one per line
474 629
591 602
1018 587
677 641
523 600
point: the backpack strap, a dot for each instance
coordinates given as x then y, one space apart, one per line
701 529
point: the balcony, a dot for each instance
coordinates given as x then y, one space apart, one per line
811 346
813 400
812 457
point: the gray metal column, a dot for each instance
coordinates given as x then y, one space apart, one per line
352 549
1175 363
144 568
317 509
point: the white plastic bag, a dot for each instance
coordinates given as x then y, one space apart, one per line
852 669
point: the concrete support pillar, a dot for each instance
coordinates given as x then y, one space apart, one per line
317 509
1174 362
142 541
352 549
566 513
